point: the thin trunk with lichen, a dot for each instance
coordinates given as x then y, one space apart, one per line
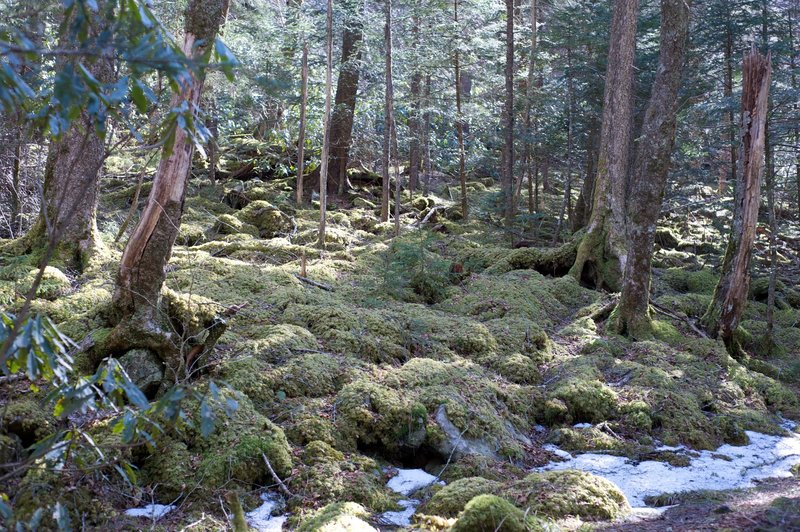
725 311
136 301
602 253
650 169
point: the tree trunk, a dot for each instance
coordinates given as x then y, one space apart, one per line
324 169
415 120
651 166
69 206
602 252
565 206
508 127
725 311
426 124
530 119
301 137
583 205
388 113
142 269
341 128
212 123
728 93
462 173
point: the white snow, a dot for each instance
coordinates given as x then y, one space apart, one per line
403 517
261 518
406 482
764 457
556 451
151 511
409 480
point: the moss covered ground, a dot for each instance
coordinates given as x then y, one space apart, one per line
444 349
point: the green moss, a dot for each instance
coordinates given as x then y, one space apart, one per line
54 283
588 401
680 418
335 517
452 498
169 469
490 513
27 419
267 218
228 224
586 439
319 451
559 494
697 282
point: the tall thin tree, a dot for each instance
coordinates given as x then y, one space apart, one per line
301 137
326 142
508 117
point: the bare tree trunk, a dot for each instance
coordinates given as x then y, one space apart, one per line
723 315
602 252
795 87
212 123
462 173
508 126
570 126
142 269
326 141
728 93
415 120
301 137
651 166
341 133
530 127
426 124
388 112
583 205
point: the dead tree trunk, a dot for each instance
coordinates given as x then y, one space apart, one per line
508 118
341 128
462 172
651 166
725 311
142 269
324 170
301 137
602 252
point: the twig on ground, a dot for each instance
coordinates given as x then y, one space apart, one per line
276 478
316 284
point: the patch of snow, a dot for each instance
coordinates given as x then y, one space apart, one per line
402 517
582 426
262 519
556 451
151 511
409 480
765 456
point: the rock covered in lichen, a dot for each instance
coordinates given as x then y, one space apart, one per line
490 513
452 498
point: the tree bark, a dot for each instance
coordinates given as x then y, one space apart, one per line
508 126
326 141
565 205
341 128
415 120
388 113
426 124
301 137
651 166
462 172
584 202
728 93
725 311
602 252
142 269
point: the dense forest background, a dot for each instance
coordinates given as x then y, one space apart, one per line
258 252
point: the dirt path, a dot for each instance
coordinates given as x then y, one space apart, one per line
772 506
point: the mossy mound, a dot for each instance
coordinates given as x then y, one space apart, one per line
587 400
54 283
559 494
490 513
26 419
452 498
338 517
268 219
228 224
586 439
697 282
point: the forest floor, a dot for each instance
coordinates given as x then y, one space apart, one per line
446 351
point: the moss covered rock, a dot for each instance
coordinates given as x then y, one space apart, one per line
559 494
144 368
338 517
28 420
452 498
228 224
588 400
490 513
267 218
